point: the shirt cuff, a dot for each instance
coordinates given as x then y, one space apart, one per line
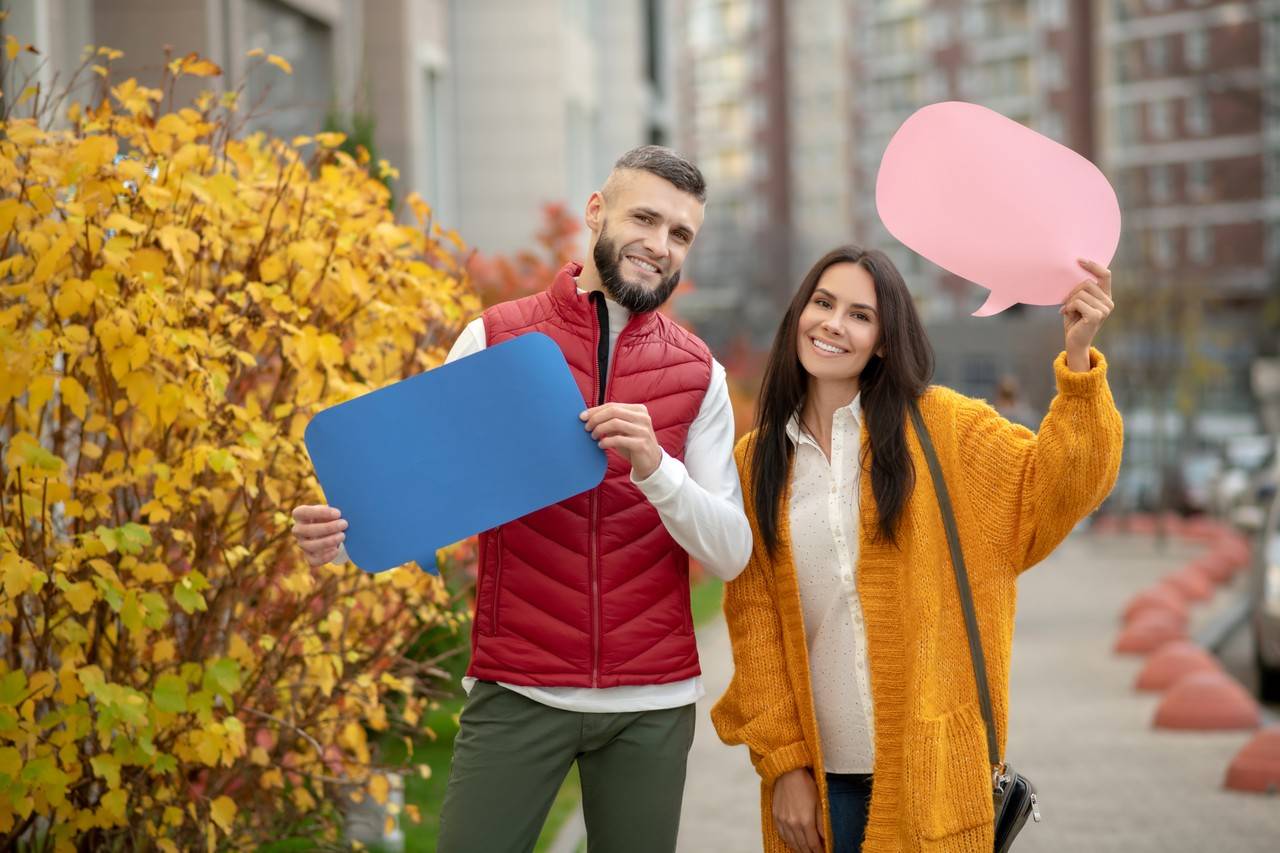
664 482
1084 384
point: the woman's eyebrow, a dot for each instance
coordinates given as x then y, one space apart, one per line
824 292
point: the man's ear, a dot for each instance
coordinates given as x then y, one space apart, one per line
595 212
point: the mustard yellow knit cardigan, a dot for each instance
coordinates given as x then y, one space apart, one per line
1017 495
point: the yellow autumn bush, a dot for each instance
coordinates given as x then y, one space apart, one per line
177 298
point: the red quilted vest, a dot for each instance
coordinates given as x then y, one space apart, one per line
593 591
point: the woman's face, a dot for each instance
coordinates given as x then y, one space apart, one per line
839 327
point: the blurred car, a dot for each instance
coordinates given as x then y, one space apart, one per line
1266 608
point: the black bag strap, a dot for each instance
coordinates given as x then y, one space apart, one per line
962 582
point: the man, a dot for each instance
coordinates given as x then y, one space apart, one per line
582 644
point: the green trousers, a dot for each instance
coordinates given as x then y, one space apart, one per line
512 754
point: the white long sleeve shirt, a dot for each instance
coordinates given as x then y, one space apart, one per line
824 540
699 502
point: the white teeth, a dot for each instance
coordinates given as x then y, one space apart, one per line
826 347
644 265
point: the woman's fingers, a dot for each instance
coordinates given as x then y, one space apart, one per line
1100 272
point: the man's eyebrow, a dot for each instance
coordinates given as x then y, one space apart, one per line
649 211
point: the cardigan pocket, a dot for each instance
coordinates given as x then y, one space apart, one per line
948 778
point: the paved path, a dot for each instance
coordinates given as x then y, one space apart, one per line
1108 781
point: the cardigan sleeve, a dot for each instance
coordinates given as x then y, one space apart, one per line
759 708
1033 488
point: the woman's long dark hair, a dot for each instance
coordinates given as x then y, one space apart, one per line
887 385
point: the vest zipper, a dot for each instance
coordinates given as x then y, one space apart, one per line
602 378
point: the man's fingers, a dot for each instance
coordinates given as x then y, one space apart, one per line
315 513
625 411
618 426
312 532
321 546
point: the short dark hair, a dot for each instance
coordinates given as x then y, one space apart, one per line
668 165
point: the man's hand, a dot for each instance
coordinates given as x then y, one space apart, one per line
318 529
797 811
626 428
1083 313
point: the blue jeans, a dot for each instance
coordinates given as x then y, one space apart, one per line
849 797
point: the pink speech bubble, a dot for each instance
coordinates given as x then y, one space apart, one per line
997 203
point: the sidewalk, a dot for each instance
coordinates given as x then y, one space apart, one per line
1107 780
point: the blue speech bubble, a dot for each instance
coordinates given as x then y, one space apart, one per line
443 455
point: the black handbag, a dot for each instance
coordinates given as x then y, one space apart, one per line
1013 795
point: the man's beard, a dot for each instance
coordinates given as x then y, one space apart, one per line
634 296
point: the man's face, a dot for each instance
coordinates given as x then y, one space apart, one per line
642 234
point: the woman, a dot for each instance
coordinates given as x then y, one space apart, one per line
853 685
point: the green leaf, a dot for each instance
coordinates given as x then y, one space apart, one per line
130 538
188 596
157 610
108 767
113 594
221 461
222 676
170 694
13 687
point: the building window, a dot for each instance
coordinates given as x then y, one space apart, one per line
1198 180
1195 48
1052 127
1052 75
1158 122
1200 244
293 104
1197 115
1053 13
1159 188
1156 54
1161 248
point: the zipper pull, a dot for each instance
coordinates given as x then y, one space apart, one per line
1035 809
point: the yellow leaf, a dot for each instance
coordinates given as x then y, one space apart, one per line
223 812
41 391
17 573
49 261
271 269
113 805
331 139
257 51
147 264
162 651
280 62
379 787
198 67
73 394
120 222
94 152
81 596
